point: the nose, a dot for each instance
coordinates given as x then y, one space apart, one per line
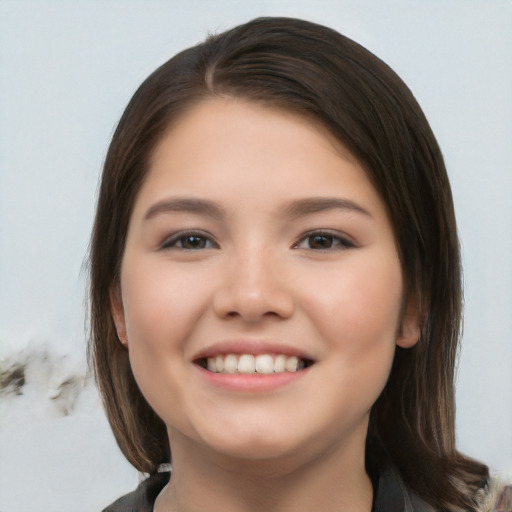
253 288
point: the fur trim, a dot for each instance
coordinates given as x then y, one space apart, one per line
497 497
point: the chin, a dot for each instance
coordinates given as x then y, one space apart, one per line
254 445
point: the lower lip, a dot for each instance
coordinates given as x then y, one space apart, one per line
253 383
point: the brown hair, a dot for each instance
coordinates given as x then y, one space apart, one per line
316 72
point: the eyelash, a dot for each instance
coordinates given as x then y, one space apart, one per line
337 242
173 241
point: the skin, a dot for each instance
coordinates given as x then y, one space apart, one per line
255 273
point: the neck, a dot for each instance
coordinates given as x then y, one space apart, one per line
203 480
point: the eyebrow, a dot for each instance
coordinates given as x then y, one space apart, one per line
185 204
310 205
294 209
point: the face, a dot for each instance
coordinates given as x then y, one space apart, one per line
261 294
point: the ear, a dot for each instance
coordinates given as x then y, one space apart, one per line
409 329
117 311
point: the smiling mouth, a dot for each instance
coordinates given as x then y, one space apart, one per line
249 364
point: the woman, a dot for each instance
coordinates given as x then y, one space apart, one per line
275 284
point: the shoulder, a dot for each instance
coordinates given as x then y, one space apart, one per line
143 498
392 494
498 498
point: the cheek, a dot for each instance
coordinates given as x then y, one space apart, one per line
161 310
161 303
357 308
358 318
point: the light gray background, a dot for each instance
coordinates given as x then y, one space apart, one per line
67 70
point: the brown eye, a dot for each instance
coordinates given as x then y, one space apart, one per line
192 242
324 241
188 242
320 241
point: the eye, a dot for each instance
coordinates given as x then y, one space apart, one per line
323 240
189 241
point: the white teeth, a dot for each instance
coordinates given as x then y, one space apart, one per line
231 364
264 364
249 364
280 363
246 364
211 364
291 364
219 363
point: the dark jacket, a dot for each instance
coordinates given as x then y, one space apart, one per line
391 496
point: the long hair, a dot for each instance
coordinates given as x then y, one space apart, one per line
318 73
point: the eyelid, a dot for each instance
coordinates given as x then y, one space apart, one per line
346 242
169 242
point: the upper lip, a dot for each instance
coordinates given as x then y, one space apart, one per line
254 347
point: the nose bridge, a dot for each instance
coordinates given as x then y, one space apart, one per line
253 266
252 286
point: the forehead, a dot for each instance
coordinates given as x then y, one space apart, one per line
233 149
225 112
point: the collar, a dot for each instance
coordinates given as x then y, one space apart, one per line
391 495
